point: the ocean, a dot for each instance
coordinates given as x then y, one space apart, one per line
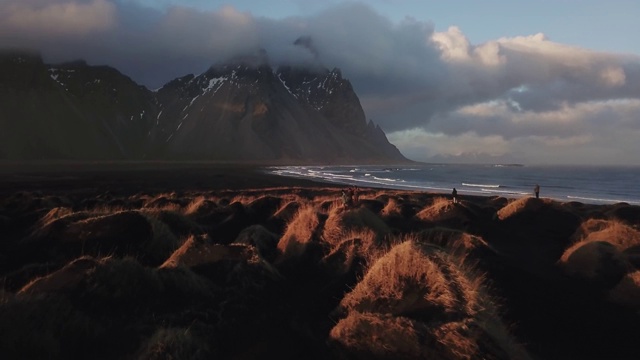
586 184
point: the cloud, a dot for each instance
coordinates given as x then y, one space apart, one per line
57 18
597 132
433 92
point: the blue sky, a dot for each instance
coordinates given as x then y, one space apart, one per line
535 82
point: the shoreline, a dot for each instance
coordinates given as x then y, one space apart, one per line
565 186
133 176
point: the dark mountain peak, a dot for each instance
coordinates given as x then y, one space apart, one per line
20 56
237 71
325 91
81 78
302 79
178 83
22 69
301 74
79 63
238 110
336 73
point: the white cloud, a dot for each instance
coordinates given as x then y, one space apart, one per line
613 76
585 133
58 17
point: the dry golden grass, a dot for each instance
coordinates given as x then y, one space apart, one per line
523 204
442 209
176 221
612 231
343 221
244 198
594 260
418 301
321 198
456 339
288 210
440 201
67 215
455 241
300 232
381 336
413 277
598 249
105 209
355 245
197 205
55 214
66 278
54 220
391 209
164 201
199 250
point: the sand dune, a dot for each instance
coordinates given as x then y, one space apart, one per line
281 268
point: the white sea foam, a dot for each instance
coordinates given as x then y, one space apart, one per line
508 192
600 200
585 184
481 185
384 179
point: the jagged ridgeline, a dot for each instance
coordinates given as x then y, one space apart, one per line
241 110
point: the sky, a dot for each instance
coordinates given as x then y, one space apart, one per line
497 81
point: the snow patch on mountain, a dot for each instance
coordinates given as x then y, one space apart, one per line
286 86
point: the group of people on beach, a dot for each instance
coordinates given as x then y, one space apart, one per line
350 196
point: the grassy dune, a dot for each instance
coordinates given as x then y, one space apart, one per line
289 272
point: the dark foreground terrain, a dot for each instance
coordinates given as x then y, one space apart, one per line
158 261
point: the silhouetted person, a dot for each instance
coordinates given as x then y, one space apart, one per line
454 195
345 198
536 190
355 195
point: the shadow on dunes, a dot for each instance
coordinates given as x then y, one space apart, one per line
533 232
605 253
627 291
625 213
123 233
92 306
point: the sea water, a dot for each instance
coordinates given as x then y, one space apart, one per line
586 184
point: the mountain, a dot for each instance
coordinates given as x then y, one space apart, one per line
241 110
69 111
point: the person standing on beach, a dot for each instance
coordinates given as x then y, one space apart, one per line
454 195
345 199
536 190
